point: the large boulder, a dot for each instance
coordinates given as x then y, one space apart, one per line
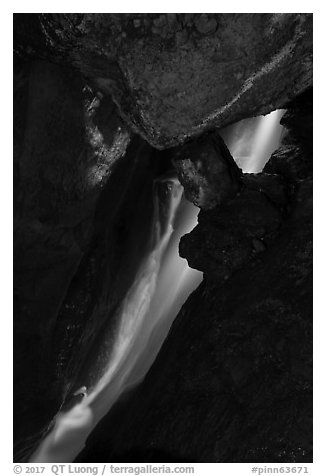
176 75
207 171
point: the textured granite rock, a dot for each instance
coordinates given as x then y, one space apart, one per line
207 171
174 76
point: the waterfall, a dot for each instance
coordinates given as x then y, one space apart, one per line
134 321
161 286
145 316
252 141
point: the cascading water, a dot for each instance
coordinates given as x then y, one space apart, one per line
146 315
252 141
132 324
161 286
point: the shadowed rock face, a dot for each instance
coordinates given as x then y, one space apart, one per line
233 380
228 237
293 158
175 75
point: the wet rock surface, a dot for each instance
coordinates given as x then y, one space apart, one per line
233 380
167 72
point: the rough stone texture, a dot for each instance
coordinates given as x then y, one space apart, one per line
227 237
175 75
207 171
232 382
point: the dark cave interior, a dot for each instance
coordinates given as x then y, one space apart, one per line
163 237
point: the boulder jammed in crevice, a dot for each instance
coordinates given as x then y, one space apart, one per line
174 76
233 380
207 171
240 213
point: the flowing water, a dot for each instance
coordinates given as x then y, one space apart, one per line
252 141
143 322
161 286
